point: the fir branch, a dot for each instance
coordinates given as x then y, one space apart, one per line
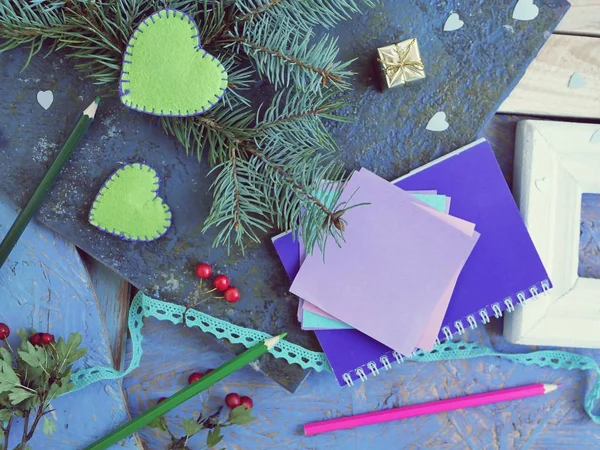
301 14
296 183
215 131
270 165
287 57
295 113
240 208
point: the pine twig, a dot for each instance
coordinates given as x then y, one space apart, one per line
326 75
290 179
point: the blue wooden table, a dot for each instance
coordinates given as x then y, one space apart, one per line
171 352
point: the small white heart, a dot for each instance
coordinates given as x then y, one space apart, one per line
595 139
438 122
45 98
453 22
541 184
525 10
576 81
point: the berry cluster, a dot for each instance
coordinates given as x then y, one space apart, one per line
232 400
41 339
220 282
38 339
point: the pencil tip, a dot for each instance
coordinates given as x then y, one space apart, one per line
90 111
550 388
283 335
272 342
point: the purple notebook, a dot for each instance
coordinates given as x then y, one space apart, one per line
503 271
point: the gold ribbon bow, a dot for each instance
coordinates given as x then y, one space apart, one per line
403 64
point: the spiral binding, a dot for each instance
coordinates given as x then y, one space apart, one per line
483 316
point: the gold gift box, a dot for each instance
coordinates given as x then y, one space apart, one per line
401 63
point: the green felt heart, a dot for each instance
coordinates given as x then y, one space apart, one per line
165 70
128 206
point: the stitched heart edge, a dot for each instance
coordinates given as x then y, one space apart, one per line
123 235
122 79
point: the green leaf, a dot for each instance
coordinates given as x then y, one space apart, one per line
8 377
5 414
191 427
35 357
32 362
6 356
49 426
17 395
68 352
159 424
241 416
214 437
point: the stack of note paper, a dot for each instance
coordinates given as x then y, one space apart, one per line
396 269
432 254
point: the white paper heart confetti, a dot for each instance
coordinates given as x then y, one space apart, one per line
595 139
453 22
438 122
525 10
45 99
576 81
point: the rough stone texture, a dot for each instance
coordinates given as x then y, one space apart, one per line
469 72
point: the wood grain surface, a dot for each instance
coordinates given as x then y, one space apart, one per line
553 422
583 18
114 294
544 89
44 285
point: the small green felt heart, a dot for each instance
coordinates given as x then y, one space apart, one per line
165 70
128 205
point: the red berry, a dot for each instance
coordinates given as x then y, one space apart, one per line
208 371
221 282
194 377
247 402
36 339
4 331
203 271
232 294
160 400
47 338
233 400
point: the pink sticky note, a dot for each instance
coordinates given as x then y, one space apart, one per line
396 263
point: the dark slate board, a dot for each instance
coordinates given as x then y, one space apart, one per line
469 73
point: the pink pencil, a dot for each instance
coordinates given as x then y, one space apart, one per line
423 409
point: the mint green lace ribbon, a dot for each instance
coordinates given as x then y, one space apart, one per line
144 306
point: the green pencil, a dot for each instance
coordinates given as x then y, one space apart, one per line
186 393
38 196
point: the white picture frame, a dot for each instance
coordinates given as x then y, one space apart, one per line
555 163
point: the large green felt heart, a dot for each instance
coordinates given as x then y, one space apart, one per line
165 70
128 206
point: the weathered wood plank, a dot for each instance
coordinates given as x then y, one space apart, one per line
542 422
114 294
544 89
583 18
44 285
